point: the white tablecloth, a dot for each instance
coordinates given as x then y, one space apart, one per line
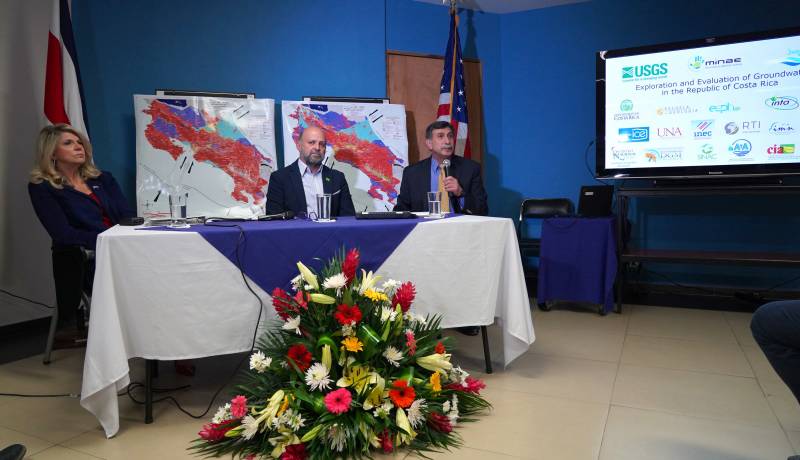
171 295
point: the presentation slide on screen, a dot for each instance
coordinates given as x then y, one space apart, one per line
723 105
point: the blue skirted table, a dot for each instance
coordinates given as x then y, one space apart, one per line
578 261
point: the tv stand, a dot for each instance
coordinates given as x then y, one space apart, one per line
713 182
626 254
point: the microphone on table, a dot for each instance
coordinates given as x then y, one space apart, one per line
285 215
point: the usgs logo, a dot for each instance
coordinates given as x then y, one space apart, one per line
781 102
644 71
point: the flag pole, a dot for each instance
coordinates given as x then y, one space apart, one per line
453 12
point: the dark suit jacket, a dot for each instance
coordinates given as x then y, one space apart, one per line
416 184
286 193
72 218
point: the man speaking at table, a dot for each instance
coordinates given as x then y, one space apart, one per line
295 187
460 182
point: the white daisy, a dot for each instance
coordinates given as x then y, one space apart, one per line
458 375
259 362
296 282
223 413
292 323
452 414
317 377
388 314
390 285
419 319
393 355
383 409
347 330
415 415
337 281
250 425
337 438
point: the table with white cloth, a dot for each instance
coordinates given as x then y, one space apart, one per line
169 295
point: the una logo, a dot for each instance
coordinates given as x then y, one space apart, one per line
781 102
646 70
696 62
634 134
740 147
781 128
626 105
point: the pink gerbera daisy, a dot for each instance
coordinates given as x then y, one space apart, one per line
338 401
239 406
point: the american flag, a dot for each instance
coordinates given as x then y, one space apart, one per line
452 92
63 100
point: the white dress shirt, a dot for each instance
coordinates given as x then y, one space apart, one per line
312 186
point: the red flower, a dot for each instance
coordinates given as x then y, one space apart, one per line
470 385
281 302
213 432
346 314
239 406
300 300
386 442
411 343
402 395
338 401
294 452
404 296
299 354
350 265
439 422
440 348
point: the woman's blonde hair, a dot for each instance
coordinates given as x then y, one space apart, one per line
45 167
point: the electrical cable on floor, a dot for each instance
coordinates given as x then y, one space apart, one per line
135 385
26 299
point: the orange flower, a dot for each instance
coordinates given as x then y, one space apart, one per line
402 395
436 382
352 344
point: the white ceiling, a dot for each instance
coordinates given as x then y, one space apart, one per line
504 6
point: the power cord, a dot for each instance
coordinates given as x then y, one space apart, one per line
26 299
135 385
589 168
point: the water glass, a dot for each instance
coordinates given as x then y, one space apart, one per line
177 210
435 203
324 207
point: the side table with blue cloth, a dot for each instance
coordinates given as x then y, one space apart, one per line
578 260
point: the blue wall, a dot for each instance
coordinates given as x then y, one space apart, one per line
538 83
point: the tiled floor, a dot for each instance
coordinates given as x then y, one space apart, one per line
652 383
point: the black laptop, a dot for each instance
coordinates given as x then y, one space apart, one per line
595 200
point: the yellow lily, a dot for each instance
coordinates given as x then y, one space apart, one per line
404 425
367 281
312 433
436 362
357 376
308 276
326 356
375 396
322 298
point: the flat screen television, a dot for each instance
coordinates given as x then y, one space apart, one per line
715 107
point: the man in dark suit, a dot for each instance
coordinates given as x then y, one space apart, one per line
295 187
461 184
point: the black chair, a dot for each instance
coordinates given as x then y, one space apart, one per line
538 209
87 257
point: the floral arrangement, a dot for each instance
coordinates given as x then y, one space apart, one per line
349 369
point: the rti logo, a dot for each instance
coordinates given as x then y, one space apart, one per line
781 102
645 72
702 128
781 128
776 149
752 126
731 128
669 133
641 134
707 153
740 147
